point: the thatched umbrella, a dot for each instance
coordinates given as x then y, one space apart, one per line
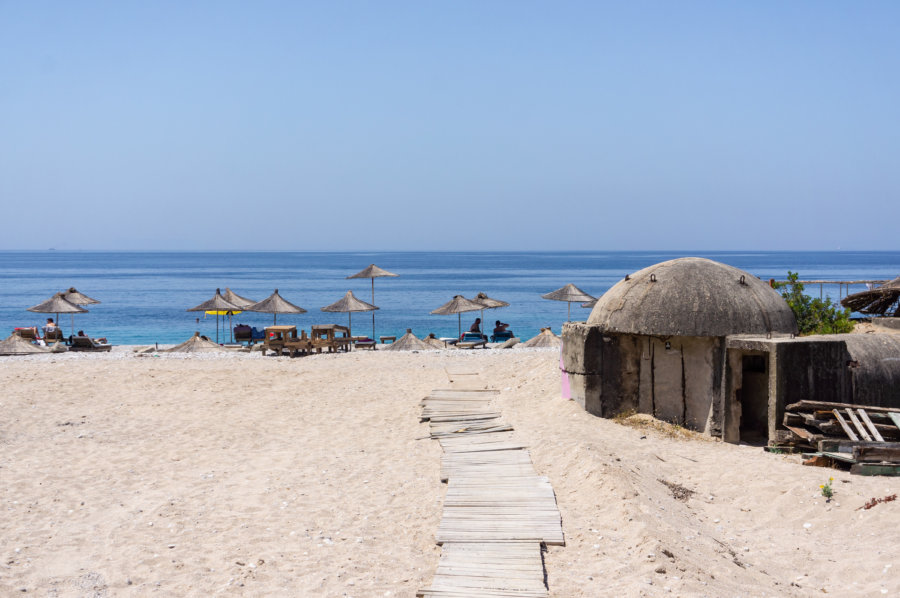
545 339
488 303
458 305
275 304
241 302
195 344
58 304
877 301
373 272
73 296
436 343
570 294
16 345
216 305
349 303
236 299
409 342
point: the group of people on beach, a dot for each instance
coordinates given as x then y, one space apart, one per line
499 327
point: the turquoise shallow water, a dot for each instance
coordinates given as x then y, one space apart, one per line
144 295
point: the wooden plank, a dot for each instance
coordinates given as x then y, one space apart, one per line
865 418
876 454
813 405
858 425
875 469
895 417
833 445
850 433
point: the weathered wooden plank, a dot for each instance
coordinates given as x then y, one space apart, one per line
860 429
847 430
868 422
812 405
876 454
895 417
846 446
875 469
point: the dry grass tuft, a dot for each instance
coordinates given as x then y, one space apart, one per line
648 423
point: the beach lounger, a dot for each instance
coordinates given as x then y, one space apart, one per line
53 336
29 334
500 337
85 343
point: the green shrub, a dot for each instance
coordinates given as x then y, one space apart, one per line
814 316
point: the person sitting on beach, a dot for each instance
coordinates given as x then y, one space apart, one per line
50 326
500 327
476 327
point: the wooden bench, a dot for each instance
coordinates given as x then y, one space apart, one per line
326 336
387 338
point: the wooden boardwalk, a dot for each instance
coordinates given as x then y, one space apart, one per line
498 513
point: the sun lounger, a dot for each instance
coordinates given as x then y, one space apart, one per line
53 335
85 343
363 342
471 344
29 334
500 337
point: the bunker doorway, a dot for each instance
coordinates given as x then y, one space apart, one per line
753 396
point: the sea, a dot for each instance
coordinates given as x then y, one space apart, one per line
144 296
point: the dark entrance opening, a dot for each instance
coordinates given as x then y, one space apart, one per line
753 396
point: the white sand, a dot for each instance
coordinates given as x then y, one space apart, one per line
248 476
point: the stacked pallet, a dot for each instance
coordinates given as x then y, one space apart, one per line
864 437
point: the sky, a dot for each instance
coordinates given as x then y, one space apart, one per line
763 125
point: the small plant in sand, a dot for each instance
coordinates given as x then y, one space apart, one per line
826 489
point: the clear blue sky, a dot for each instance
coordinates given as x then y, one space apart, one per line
427 125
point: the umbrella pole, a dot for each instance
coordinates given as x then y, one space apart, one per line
350 323
373 311
569 317
459 323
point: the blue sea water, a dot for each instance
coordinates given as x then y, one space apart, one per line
144 295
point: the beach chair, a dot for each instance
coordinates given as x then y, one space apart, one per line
53 335
470 340
29 334
471 337
86 343
500 337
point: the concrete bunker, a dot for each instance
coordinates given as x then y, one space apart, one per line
656 343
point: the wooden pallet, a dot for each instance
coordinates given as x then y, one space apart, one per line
488 570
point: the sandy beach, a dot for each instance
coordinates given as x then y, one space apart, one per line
235 474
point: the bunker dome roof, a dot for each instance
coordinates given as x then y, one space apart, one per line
692 296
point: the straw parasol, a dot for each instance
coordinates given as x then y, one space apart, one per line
349 303
570 294
73 296
488 303
458 305
275 304
545 339
436 343
195 344
216 305
372 271
408 342
241 302
58 304
233 297
16 345
877 301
